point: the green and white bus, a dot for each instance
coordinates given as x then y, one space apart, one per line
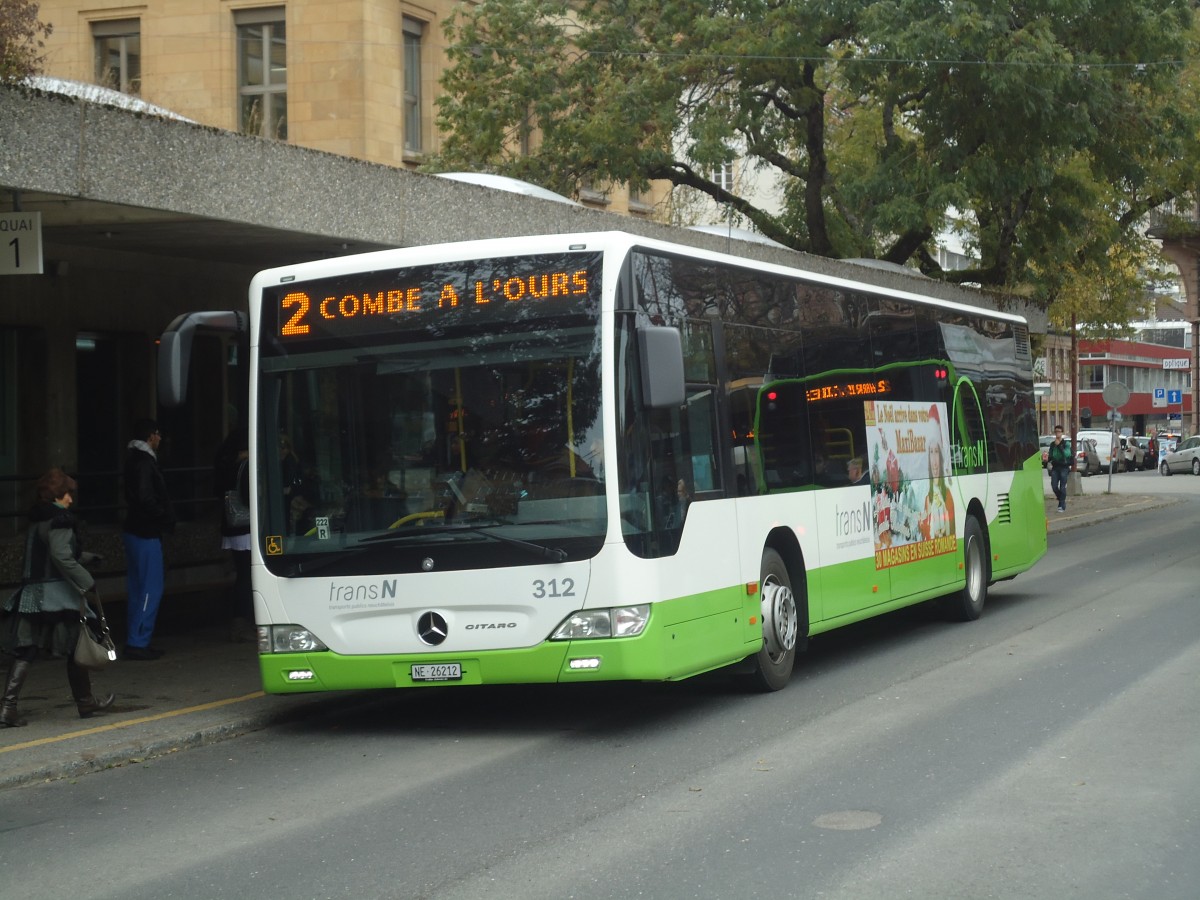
594 457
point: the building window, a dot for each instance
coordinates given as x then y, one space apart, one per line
723 176
591 192
414 32
262 72
119 55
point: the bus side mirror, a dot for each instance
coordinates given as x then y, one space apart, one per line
660 350
174 357
175 350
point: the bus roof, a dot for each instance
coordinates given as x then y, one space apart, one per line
599 240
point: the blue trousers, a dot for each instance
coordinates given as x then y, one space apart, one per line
1058 483
144 561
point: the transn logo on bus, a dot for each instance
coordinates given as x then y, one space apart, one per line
853 521
974 456
359 593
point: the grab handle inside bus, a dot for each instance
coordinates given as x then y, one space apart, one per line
175 350
661 352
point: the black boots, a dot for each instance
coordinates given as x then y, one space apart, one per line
17 671
81 690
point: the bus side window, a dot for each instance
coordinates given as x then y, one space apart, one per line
839 437
782 436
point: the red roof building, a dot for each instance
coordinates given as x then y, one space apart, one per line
1158 378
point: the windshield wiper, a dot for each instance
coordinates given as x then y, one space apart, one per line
554 554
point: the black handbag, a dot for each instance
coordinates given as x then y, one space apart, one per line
95 648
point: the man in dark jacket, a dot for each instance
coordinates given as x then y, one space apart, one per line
1059 457
148 517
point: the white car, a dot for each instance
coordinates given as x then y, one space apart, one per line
1135 456
1185 458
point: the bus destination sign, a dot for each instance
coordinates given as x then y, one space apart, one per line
506 289
840 390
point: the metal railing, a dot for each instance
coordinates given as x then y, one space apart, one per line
1173 219
192 553
190 488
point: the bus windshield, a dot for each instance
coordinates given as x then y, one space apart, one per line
456 448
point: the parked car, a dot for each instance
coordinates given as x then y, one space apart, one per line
1133 455
1105 445
1149 452
1185 458
1087 458
1045 440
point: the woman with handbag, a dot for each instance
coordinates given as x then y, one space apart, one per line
45 613
231 474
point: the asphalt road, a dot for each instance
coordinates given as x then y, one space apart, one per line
1049 750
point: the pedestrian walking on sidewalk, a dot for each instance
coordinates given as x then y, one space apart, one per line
149 515
44 613
1059 458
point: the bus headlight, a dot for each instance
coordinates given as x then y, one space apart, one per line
630 620
288 639
620 621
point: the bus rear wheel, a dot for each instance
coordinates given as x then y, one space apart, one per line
966 605
781 625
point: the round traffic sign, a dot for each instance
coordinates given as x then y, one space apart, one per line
1116 394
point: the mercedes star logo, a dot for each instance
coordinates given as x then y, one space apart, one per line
432 629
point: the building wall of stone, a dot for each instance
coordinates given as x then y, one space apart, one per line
345 63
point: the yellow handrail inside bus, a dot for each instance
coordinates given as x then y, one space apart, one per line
839 443
428 514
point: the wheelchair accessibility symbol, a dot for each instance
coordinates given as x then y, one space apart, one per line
274 545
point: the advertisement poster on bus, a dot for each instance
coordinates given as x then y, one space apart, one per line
910 481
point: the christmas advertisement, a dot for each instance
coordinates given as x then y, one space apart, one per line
907 446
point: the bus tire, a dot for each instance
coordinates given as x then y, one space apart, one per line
781 625
966 605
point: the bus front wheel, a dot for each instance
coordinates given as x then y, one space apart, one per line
966 605
781 625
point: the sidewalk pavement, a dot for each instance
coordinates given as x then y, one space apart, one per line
1097 506
203 690
206 688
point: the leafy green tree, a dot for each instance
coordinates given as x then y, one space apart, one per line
1037 119
21 40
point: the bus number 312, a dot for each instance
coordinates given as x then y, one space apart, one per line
543 589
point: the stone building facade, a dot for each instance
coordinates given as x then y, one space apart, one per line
358 78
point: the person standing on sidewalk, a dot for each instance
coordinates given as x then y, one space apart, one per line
1059 458
231 473
44 613
148 517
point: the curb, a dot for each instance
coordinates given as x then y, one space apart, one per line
138 750
1071 520
132 753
